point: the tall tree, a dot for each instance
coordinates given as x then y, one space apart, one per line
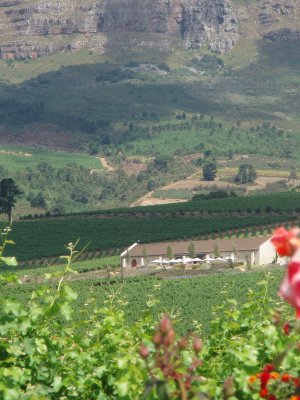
170 254
9 193
246 174
209 171
192 250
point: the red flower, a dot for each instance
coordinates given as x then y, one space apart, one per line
264 379
287 328
286 242
264 393
272 397
297 382
286 377
268 368
290 287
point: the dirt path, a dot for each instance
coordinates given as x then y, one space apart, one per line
141 200
105 164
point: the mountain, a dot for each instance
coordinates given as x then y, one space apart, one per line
38 28
31 29
152 85
69 69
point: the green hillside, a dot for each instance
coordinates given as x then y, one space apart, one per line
117 233
146 102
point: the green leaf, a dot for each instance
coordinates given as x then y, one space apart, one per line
123 386
10 261
70 293
66 311
57 383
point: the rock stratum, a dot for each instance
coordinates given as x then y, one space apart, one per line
30 29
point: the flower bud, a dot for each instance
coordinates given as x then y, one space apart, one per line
144 351
165 325
197 345
228 388
183 343
157 339
169 338
287 327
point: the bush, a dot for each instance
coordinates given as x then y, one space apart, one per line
252 350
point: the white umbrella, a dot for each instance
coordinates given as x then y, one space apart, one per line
165 262
197 259
179 260
209 259
173 260
156 261
220 259
188 259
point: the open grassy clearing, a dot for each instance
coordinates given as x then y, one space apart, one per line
15 158
185 189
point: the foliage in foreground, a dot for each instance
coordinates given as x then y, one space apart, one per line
45 355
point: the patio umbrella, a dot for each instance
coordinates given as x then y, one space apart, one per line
165 262
209 259
156 261
197 259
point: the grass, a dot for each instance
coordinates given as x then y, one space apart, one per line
232 171
79 266
15 158
173 194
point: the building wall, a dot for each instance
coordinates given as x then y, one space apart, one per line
266 254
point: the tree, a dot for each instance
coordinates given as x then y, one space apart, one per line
293 174
37 200
145 255
192 250
246 174
216 250
209 171
170 254
9 193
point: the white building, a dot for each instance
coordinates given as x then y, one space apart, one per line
254 250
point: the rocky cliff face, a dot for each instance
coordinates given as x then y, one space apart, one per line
35 28
32 28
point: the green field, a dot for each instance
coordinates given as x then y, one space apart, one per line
284 201
193 298
16 158
78 266
116 233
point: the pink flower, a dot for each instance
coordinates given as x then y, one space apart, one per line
290 287
286 242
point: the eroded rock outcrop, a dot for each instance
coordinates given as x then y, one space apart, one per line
30 29
33 28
